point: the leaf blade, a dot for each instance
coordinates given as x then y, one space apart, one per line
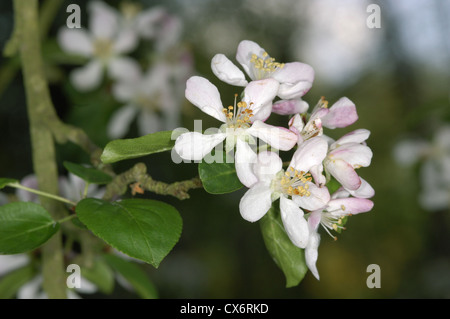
123 149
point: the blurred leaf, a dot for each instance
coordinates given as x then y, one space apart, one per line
101 275
140 228
24 226
12 281
137 278
286 255
123 149
89 174
219 178
5 181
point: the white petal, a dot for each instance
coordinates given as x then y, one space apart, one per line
410 151
318 198
278 137
126 41
103 20
259 95
244 54
204 95
125 69
76 41
146 21
87 77
312 253
256 202
148 122
226 71
245 158
267 165
356 155
356 136
120 122
294 223
364 191
11 262
295 80
309 153
344 174
194 145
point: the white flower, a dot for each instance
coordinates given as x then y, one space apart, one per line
150 97
295 78
293 187
434 159
330 217
242 122
104 45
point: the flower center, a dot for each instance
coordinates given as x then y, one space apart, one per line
130 10
265 66
329 221
103 48
239 115
294 182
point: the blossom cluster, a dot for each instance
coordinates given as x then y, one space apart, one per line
149 94
302 189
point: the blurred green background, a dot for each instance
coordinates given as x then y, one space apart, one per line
397 75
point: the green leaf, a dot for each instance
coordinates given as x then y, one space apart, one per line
24 226
89 174
12 281
5 181
123 149
101 275
134 275
286 255
141 228
219 178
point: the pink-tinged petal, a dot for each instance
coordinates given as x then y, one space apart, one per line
295 80
294 223
314 220
357 155
277 137
296 125
244 160
288 107
318 198
245 50
227 71
344 173
125 69
87 77
342 113
309 153
356 136
103 20
345 206
194 145
120 121
364 191
126 41
267 165
312 253
29 181
204 95
259 95
76 41
317 174
256 202
341 193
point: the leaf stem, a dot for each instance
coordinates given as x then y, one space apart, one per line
41 193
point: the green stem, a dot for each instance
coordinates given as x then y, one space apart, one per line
62 220
41 193
39 106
